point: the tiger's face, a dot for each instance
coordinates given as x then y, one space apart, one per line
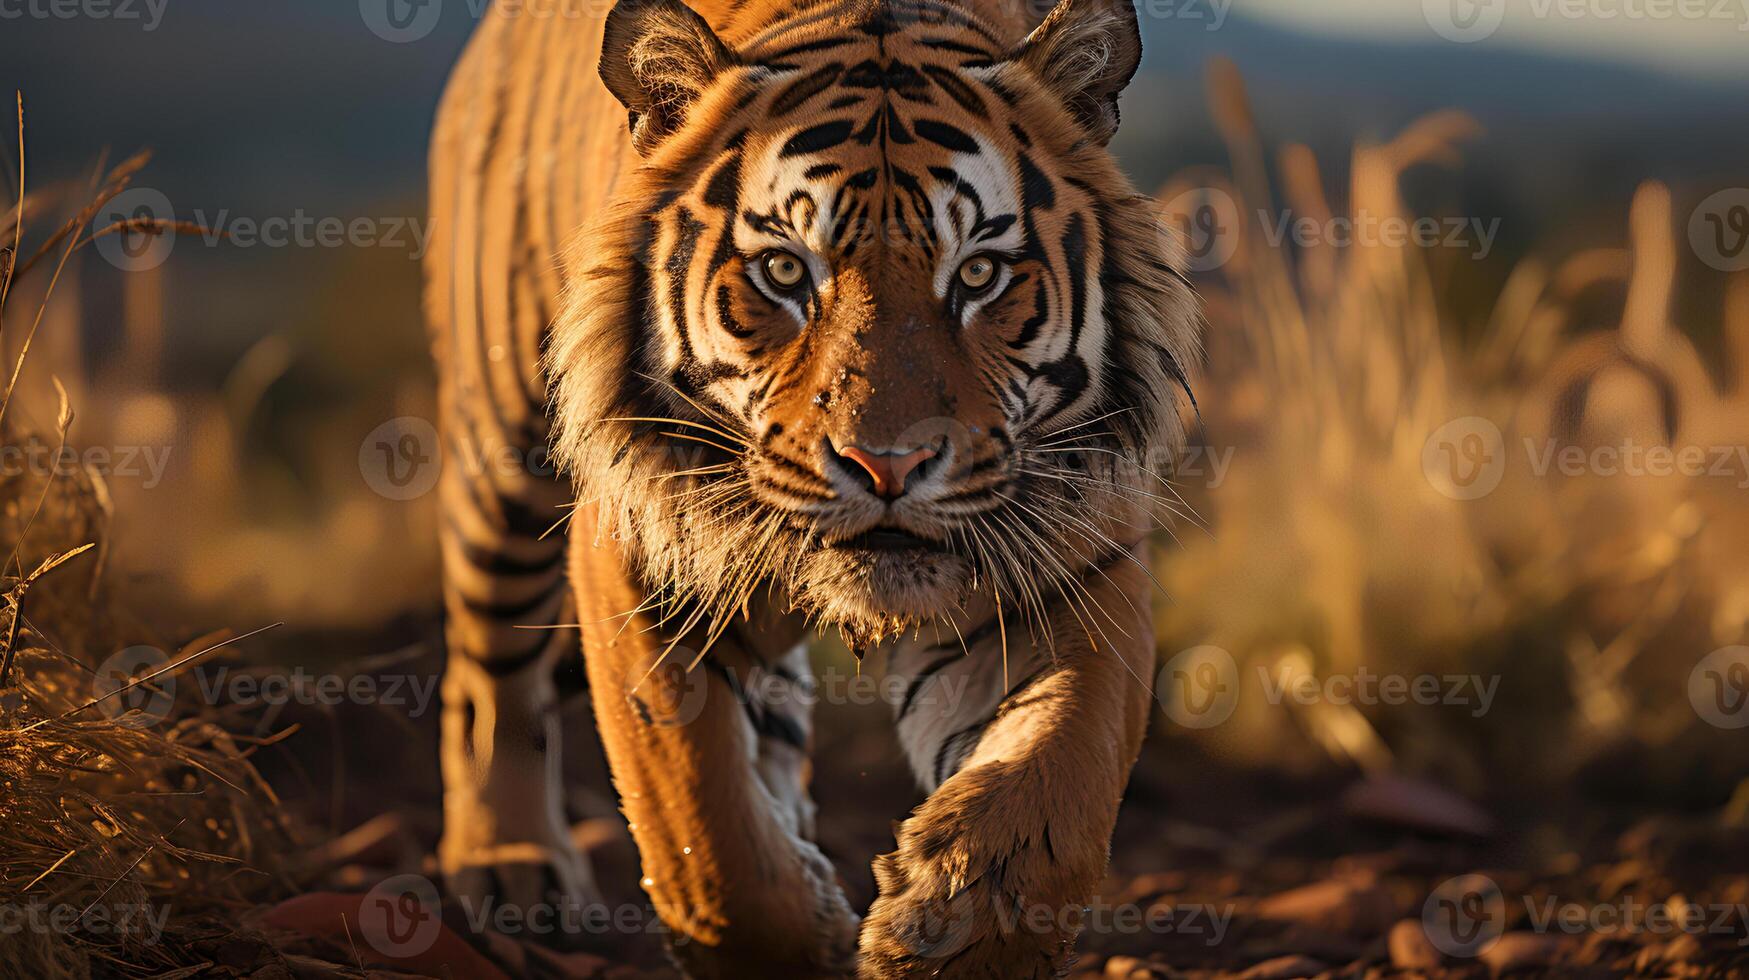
884 283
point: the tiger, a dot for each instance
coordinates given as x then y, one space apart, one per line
801 317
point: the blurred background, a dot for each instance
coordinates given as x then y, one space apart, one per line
262 362
1475 405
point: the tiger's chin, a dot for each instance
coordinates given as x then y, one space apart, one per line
880 585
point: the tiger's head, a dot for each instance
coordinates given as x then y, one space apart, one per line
878 322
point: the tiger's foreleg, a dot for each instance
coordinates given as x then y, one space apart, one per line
711 769
991 872
506 840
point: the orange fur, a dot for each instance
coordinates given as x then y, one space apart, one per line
729 123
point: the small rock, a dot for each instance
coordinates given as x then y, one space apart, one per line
1417 805
1285 968
1154 884
1351 905
1130 968
1523 951
1656 958
1685 948
1410 948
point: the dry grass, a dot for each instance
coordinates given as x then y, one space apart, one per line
118 832
1591 597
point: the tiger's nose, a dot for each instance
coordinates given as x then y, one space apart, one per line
888 470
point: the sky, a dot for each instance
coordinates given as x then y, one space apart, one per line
1697 37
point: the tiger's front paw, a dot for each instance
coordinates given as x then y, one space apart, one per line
982 930
980 886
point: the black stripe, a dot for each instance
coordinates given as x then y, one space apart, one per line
1041 314
765 722
958 90
510 609
945 135
799 92
808 47
726 313
793 467
955 748
678 268
816 139
494 562
1069 375
1036 191
916 686
724 189
959 47
507 515
502 664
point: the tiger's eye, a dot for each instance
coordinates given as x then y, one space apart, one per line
784 270
978 272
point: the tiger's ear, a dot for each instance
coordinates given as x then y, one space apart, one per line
1086 51
657 58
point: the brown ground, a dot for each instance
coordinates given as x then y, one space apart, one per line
1318 877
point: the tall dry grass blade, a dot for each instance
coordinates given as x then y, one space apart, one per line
50 870
63 424
1302 186
1230 103
101 189
160 672
1737 334
1645 320
18 218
